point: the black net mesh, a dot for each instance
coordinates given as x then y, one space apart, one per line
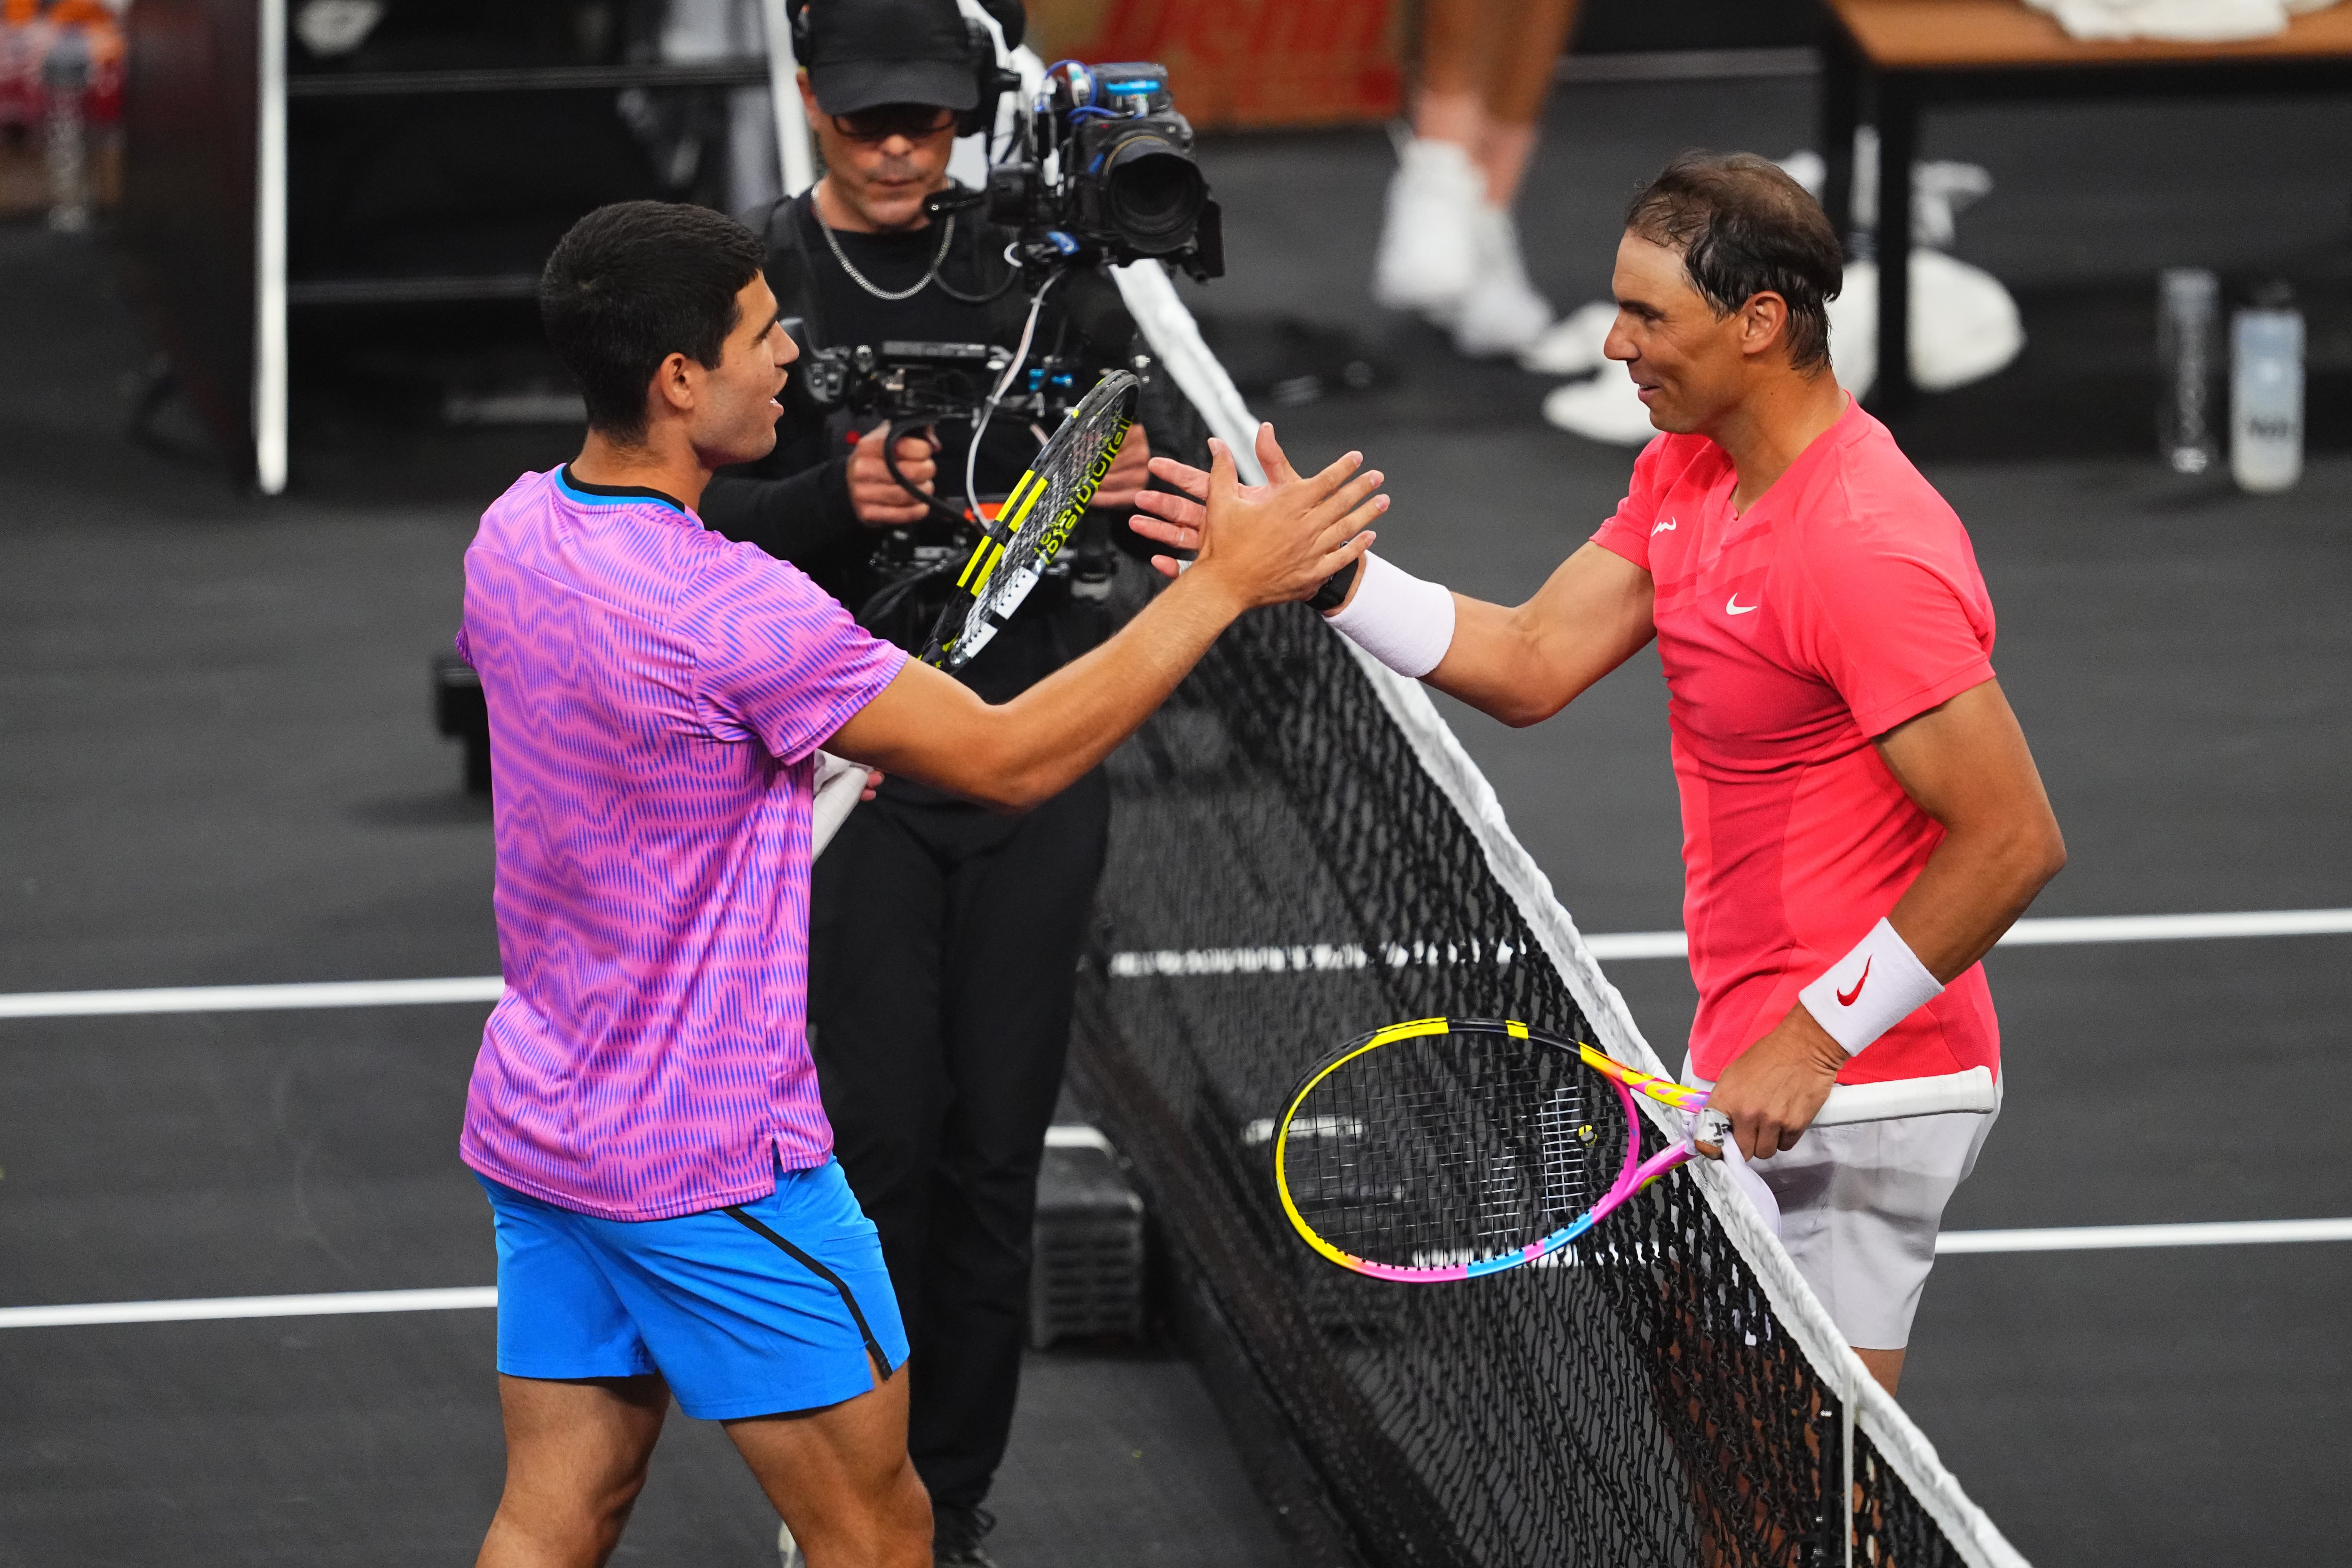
1890 1527
1283 875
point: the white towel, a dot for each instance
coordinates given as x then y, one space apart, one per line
2178 21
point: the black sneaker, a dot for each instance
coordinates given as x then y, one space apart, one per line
956 1534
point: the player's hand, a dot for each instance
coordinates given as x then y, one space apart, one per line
873 783
1174 519
879 501
1278 541
1774 1088
1129 472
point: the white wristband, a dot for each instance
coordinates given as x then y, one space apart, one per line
1399 619
1870 990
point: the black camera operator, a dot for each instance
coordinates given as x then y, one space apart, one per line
944 939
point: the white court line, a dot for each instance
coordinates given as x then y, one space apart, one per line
2087 1237
1606 946
250 998
2066 1239
2177 928
1610 945
334 1304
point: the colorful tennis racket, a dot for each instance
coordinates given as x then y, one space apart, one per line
1448 1148
1037 518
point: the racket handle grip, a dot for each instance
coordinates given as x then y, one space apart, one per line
1944 1095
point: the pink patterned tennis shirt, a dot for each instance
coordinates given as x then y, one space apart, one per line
656 695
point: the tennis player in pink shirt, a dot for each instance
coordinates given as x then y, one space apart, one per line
644 1115
1862 819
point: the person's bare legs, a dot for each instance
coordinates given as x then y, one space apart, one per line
1485 67
1450 105
1886 1366
1517 75
576 1456
841 1479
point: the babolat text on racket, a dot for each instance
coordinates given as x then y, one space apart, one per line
1036 520
1447 1148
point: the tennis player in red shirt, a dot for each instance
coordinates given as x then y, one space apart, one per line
1862 819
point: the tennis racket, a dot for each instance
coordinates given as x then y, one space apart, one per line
1036 520
1448 1148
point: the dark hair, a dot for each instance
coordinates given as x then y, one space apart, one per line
634 283
1745 227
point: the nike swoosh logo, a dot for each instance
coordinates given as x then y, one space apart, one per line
1845 998
1732 606
1666 527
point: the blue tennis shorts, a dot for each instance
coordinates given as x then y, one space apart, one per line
779 1304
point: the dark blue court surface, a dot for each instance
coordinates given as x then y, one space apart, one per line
216 750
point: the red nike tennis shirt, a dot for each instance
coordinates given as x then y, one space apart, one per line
1846 601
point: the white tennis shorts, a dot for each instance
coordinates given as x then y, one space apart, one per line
1860 1206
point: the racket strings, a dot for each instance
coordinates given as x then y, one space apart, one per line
1452 1149
1062 478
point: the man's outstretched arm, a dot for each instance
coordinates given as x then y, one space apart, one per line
1272 544
1965 764
1525 663
1520 663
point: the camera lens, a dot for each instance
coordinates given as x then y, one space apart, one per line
1152 193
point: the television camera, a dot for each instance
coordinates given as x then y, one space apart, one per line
1100 166
1095 169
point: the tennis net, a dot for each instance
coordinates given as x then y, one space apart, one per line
1301 850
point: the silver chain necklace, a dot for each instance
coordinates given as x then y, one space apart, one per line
946 236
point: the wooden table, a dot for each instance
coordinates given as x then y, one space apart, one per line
1897 57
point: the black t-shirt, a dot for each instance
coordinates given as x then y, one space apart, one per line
794 504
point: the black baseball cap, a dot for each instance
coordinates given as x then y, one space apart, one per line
862 53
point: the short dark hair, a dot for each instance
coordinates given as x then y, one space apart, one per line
634 283
1745 227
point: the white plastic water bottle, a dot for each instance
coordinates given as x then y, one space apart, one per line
2266 394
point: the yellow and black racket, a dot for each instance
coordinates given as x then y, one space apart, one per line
1038 519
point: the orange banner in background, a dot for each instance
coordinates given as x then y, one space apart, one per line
1244 63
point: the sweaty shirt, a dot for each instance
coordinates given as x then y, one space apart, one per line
1846 600
655 696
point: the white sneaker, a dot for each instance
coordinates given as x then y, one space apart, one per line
1964 324
789 1549
1939 189
1426 260
1609 408
1502 313
1573 344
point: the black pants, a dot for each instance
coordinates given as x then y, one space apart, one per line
943 950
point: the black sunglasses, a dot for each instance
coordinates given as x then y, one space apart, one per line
913 121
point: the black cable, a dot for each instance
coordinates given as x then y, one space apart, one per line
890 460
1012 275
886 600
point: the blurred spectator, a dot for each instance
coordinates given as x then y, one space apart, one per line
1449 249
29 31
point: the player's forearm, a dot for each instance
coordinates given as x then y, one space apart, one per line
1026 751
1976 884
1524 665
1497 664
